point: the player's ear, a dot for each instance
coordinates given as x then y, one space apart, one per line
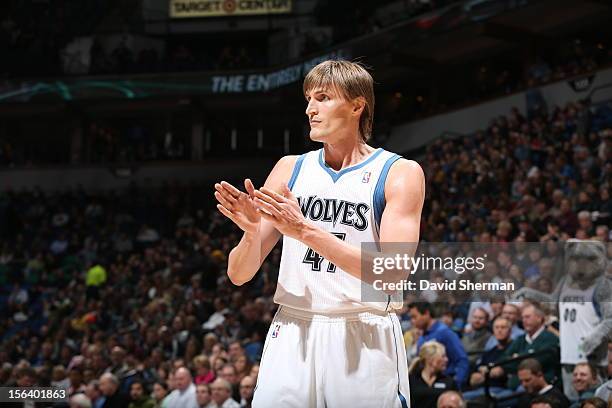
358 105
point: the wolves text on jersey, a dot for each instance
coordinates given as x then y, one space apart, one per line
334 210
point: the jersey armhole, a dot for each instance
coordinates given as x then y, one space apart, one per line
379 191
296 171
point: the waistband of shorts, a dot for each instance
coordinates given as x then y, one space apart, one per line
334 317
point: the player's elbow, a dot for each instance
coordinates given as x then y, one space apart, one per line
235 277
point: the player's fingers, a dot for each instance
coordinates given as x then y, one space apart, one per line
267 207
259 195
226 212
231 189
288 193
226 193
250 188
223 201
273 194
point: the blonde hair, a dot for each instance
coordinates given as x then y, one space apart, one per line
351 80
428 350
201 361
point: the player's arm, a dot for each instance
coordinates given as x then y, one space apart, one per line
404 196
246 258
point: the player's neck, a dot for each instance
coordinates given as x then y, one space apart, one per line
342 155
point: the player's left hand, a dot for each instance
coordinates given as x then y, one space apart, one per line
283 211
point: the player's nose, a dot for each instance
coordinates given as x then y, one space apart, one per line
311 108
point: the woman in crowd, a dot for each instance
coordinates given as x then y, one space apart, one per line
427 379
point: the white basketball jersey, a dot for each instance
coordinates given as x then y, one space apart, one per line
578 319
349 204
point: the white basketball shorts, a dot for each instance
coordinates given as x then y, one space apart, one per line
333 360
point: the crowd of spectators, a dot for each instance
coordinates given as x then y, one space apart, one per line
152 297
122 59
121 297
500 76
536 178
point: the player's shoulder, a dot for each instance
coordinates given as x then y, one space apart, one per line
287 161
282 171
406 167
405 172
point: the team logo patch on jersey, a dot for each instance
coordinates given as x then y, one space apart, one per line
276 331
366 177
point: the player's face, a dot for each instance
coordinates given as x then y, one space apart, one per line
328 113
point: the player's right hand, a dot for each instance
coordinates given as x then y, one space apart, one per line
238 206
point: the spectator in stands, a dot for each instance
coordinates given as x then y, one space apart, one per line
139 398
80 401
204 373
94 394
605 390
76 382
594 402
243 367
501 331
542 401
247 389
536 338
203 395
427 379
229 374
235 350
59 378
184 396
474 341
160 391
96 276
421 314
585 382
532 379
109 385
451 399
221 394
511 312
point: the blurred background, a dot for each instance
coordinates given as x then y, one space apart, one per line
117 116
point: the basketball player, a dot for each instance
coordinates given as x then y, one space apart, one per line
326 346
